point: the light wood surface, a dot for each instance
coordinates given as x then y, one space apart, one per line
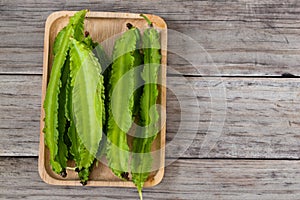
243 37
250 43
184 179
261 116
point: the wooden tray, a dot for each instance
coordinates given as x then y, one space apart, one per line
101 26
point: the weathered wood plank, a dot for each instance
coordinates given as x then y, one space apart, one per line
241 37
20 98
21 60
225 118
238 117
184 179
193 10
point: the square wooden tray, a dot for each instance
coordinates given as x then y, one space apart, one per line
102 26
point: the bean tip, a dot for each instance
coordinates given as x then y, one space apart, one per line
63 173
125 175
129 25
147 19
83 183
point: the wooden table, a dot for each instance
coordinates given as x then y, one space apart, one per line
241 136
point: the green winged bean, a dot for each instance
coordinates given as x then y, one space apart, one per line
51 102
141 163
121 100
87 104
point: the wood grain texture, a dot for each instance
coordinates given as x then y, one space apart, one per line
241 37
20 98
221 118
238 117
260 116
184 179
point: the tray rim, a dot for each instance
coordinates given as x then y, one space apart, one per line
45 176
